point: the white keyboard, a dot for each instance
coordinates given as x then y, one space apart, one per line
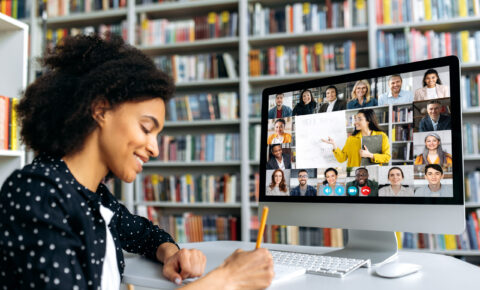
319 264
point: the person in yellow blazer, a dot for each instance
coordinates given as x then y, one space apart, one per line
279 136
365 125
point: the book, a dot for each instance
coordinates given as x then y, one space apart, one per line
374 145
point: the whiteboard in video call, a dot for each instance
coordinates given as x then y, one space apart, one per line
311 152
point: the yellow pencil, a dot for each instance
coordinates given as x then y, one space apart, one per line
261 229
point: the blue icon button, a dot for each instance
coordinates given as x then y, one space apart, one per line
327 190
352 190
339 190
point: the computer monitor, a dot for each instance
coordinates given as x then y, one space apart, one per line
373 152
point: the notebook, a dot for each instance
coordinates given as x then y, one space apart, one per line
374 145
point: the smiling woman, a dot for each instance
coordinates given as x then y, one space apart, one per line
96 112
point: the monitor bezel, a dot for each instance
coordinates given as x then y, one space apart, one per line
456 112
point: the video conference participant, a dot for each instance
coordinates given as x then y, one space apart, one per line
278 159
432 87
433 152
365 125
361 97
278 186
434 120
330 185
362 186
396 95
303 189
434 175
279 136
332 102
280 110
306 105
395 176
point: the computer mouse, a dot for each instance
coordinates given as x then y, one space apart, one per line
396 269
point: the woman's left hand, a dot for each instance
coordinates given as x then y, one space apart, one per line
185 263
364 153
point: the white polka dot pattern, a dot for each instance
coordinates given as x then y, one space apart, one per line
52 235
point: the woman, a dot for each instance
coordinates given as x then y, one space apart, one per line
330 185
433 152
279 136
361 97
96 112
306 105
278 185
395 176
365 125
432 87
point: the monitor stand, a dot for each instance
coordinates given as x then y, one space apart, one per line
378 246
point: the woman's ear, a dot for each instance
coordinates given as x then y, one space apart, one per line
99 108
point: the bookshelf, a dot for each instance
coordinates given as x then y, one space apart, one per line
13 79
245 84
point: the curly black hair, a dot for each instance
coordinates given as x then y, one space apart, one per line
55 112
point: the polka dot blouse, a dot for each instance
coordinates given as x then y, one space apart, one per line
52 234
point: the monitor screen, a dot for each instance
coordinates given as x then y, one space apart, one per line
386 136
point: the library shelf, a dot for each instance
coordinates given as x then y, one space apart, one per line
189 205
472 204
200 123
471 157
446 252
223 82
11 153
254 204
471 111
190 164
278 79
402 160
401 142
197 46
180 9
467 66
255 120
84 18
254 162
402 123
446 24
310 36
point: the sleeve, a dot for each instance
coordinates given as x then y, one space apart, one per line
288 138
42 250
385 156
419 160
341 155
270 138
418 95
422 126
374 101
288 111
139 235
350 105
271 114
381 99
448 159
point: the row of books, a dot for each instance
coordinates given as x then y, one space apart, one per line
19 9
66 7
115 187
471 135
402 114
468 240
295 235
381 114
402 153
188 188
163 31
398 11
413 45
306 16
254 135
402 133
55 35
185 68
221 106
255 105
206 147
318 57
472 186
8 123
470 90
254 186
189 227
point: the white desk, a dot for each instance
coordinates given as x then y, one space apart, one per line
438 271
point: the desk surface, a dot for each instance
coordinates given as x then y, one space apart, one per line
438 271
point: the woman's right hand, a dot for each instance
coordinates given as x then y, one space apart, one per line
248 269
330 141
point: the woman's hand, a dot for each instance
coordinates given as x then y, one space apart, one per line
248 270
330 141
184 263
365 153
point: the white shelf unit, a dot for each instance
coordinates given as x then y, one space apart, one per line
246 84
13 79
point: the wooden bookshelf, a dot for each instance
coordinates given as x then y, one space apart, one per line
191 164
188 47
180 9
90 18
439 25
201 123
189 205
208 83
